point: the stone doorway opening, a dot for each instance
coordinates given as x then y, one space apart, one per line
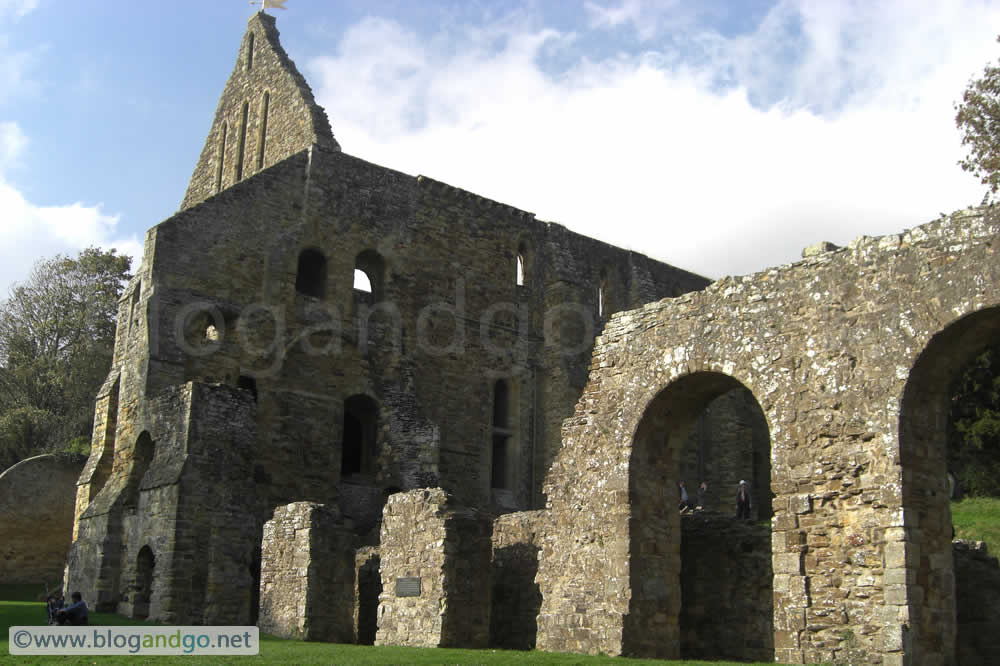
702 581
145 564
926 563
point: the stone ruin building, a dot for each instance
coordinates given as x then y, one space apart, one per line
479 442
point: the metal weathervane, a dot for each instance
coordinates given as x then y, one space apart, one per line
269 4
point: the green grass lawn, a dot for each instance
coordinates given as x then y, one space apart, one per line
978 518
278 651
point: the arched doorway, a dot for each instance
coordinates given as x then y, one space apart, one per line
145 564
926 563
702 582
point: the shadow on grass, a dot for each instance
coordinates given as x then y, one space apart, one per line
278 651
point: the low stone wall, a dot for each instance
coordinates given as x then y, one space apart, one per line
977 592
307 587
516 597
726 589
435 559
37 496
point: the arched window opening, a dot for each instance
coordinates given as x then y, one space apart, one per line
221 157
521 266
144 451
602 294
248 384
133 320
361 281
250 52
503 459
145 564
262 138
310 280
358 445
369 271
142 458
243 141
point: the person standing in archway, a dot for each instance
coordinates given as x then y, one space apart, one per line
743 501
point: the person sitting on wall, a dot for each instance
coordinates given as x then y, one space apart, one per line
743 501
75 614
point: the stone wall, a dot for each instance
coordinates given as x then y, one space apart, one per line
441 553
516 597
307 578
977 590
726 589
849 354
266 113
36 518
251 286
177 500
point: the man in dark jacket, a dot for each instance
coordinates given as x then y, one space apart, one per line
75 614
743 501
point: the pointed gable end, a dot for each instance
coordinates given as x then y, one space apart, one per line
266 113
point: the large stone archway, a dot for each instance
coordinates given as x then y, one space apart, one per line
923 544
848 353
676 609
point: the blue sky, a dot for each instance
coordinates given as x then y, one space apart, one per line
721 137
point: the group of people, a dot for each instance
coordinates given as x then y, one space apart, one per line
59 613
743 501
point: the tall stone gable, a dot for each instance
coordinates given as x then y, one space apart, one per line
266 114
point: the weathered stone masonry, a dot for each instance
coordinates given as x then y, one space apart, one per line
269 435
455 369
849 355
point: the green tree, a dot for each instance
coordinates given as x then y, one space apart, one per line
57 334
978 121
974 433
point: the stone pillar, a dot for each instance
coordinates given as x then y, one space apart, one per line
435 560
307 575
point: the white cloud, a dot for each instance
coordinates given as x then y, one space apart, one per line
12 144
647 18
16 8
722 155
30 231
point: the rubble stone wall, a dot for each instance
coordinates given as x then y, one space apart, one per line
849 354
726 596
442 552
37 496
191 457
307 580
